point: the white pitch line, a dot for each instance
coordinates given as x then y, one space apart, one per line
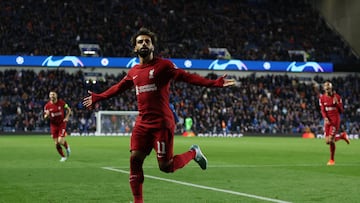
202 187
263 166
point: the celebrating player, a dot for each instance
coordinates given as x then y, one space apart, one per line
154 128
55 110
331 107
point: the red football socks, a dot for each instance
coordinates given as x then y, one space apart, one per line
332 151
137 174
59 149
65 145
181 160
136 179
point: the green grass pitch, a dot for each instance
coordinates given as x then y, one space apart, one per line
247 169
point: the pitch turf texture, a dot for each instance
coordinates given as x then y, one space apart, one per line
247 169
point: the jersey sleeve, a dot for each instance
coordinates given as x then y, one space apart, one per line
339 105
322 107
124 84
192 78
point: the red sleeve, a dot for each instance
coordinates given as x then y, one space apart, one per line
124 84
322 107
195 79
340 105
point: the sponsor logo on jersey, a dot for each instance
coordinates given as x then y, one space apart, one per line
55 114
145 88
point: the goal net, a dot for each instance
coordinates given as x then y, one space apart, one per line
118 123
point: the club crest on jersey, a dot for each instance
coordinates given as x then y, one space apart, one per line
151 74
175 66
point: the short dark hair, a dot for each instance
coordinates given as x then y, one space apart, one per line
143 31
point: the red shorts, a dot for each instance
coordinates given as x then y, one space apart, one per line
160 139
332 128
58 130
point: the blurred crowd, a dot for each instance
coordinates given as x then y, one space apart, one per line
250 29
258 104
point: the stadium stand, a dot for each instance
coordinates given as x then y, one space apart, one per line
250 30
266 104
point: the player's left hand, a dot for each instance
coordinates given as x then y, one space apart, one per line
335 100
228 82
87 101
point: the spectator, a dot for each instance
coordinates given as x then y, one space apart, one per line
243 112
265 30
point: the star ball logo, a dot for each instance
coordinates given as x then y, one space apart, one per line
75 61
220 65
308 67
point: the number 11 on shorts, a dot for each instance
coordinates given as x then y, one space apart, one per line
161 151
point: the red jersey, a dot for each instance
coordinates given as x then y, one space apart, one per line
57 111
329 109
152 85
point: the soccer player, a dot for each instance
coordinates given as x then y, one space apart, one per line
331 107
58 112
154 128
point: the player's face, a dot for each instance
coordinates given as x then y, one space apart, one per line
53 96
328 87
144 46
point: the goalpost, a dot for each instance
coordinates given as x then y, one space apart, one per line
111 123
121 123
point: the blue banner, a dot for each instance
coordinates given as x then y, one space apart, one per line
190 64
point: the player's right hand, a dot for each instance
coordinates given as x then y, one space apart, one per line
335 100
46 114
87 101
326 120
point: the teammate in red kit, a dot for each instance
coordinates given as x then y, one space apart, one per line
58 113
331 107
154 128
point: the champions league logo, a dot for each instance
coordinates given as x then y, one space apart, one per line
307 67
218 65
75 61
132 62
238 65
190 64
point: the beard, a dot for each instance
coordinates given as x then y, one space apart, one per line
144 52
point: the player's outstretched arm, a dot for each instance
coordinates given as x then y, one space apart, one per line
68 113
195 79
